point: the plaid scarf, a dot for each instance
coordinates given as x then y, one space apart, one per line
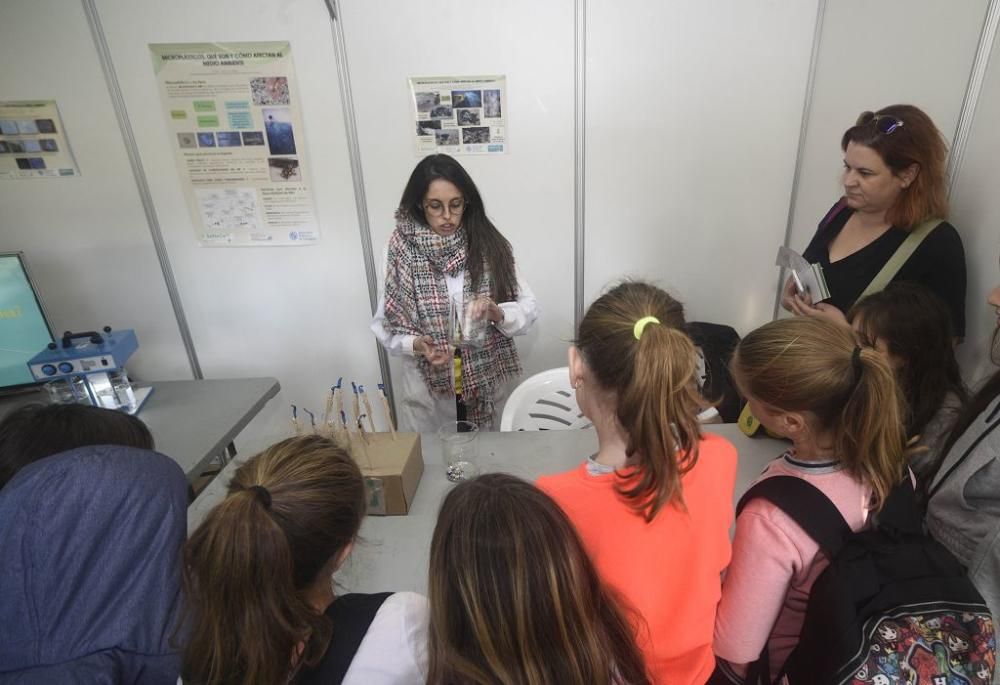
416 303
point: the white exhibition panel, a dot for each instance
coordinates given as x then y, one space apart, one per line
874 54
528 192
86 238
297 313
976 212
693 113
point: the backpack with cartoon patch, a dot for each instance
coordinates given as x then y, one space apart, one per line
894 607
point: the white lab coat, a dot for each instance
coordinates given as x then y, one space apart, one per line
416 409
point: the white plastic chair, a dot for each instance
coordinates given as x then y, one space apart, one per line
546 401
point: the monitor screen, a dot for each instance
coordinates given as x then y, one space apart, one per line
24 330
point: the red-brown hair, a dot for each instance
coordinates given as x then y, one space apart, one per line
917 141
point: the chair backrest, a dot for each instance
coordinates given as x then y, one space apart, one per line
546 401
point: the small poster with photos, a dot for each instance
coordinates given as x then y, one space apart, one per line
33 142
459 115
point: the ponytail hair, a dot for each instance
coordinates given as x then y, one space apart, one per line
805 364
289 511
652 376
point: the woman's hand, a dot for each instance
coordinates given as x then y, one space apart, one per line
425 347
789 296
800 306
486 308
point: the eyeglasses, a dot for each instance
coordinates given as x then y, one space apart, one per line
885 124
436 208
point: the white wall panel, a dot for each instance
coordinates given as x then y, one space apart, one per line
297 313
528 191
976 211
693 112
86 238
875 54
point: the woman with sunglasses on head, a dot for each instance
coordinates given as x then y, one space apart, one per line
895 200
446 249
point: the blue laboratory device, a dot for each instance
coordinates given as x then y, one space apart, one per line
89 367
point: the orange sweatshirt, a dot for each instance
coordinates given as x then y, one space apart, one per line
668 569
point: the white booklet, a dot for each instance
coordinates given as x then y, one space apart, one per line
808 277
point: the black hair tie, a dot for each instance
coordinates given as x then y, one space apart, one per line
858 367
262 494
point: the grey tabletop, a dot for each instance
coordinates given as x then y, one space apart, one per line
192 421
393 551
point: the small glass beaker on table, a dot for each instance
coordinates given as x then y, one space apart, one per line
460 449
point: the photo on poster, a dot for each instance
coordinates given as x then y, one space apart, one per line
491 104
428 127
15 146
441 112
466 98
278 126
284 169
228 210
467 117
206 140
48 145
45 125
31 146
36 162
187 140
8 128
229 139
27 126
426 101
448 136
253 137
4 148
23 163
270 90
476 135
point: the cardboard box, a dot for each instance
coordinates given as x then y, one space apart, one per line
392 469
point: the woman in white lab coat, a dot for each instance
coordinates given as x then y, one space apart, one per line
445 249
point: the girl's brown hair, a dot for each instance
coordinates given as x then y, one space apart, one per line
514 597
810 365
917 141
653 380
248 565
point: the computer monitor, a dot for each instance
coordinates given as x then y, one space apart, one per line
24 328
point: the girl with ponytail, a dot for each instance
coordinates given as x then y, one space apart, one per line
654 505
259 602
807 380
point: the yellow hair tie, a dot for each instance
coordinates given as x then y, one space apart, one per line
641 324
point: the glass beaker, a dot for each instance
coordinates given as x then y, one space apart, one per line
467 330
460 449
70 390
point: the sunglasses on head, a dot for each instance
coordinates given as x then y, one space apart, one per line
883 123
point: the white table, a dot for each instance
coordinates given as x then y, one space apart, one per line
393 551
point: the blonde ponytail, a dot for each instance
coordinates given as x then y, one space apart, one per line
651 370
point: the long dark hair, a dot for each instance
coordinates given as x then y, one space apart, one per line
487 248
915 325
918 141
653 380
514 597
36 431
989 391
249 564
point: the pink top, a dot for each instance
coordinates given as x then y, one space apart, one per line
775 563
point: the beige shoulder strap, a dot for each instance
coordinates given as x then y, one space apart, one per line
899 257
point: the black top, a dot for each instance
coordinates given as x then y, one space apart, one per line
938 263
351 616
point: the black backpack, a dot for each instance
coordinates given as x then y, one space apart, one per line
894 607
